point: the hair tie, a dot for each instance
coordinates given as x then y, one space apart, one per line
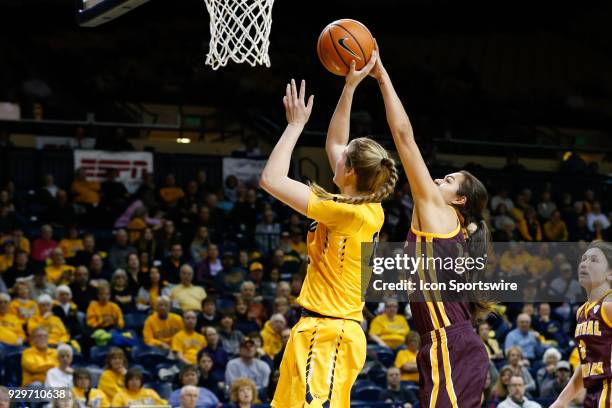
471 228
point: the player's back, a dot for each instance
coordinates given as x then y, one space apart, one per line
332 286
431 311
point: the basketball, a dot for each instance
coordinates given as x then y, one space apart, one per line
343 41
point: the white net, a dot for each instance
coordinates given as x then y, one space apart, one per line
239 31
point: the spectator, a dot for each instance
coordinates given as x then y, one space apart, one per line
83 292
555 228
546 207
231 277
199 244
147 242
62 212
230 338
42 247
272 334
279 356
389 329
243 321
83 255
161 326
247 366
22 306
21 269
49 190
7 257
529 226
209 268
208 378
186 295
581 232
39 285
501 198
395 393
519 367
500 390
56 331
209 315
134 392
548 327
121 292
550 358
405 359
84 191
517 398
11 328
118 253
297 242
67 310
112 380
134 272
72 243
243 393
38 358
523 337
151 289
171 266
85 395
565 287
187 342
514 260
61 376
114 194
188 377
58 266
491 344
97 269
256 308
552 388
21 242
170 193
267 233
104 314
595 215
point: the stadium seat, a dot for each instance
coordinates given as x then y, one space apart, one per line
134 321
95 372
98 354
369 393
149 357
12 369
386 357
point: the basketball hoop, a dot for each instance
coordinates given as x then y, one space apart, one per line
240 31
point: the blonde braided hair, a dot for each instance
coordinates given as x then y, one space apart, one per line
375 170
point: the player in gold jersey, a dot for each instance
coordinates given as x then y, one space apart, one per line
593 331
327 347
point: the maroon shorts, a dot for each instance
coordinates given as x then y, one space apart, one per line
599 396
453 365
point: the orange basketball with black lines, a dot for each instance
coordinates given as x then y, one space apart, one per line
343 41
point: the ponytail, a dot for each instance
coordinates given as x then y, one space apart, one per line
478 239
375 172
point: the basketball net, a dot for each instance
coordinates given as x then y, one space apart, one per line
240 31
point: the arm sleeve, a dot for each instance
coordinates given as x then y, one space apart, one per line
376 328
147 333
92 318
345 218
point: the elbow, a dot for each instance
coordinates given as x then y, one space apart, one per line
266 181
403 132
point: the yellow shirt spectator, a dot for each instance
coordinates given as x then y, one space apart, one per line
23 309
24 243
86 192
157 331
144 396
391 330
6 261
55 273
272 341
111 383
403 357
11 328
96 398
54 325
515 258
35 363
170 195
71 246
188 297
100 316
188 345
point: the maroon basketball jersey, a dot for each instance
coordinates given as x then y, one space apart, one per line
594 340
429 310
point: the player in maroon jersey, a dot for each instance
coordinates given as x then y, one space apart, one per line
446 220
593 331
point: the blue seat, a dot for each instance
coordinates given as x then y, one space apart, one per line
369 393
386 357
12 369
97 354
362 384
95 372
149 357
134 321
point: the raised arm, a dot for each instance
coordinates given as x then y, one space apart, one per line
339 126
422 186
274 178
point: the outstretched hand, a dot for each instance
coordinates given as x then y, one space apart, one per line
354 77
378 70
297 110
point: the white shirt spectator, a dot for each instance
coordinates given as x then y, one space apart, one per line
58 378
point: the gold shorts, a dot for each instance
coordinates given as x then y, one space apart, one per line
322 359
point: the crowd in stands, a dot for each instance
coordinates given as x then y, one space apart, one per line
188 295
